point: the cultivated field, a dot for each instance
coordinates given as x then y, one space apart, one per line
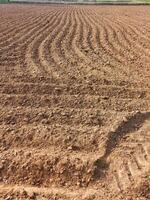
74 102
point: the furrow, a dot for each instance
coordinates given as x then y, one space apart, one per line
33 56
46 167
74 101
88 117
53 89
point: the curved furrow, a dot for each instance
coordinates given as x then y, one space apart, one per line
101 53
119 34
111 64
136 38
19 27
117 31
69 47
77 47
16 22
91 33
22 41
96 25
115 44
54 50
27 39
144 27
83 47
61 40
9 26
68 36
44 49
83 36
138 55
31 54
121 51
138 28
28 27
41 48
4 19
13 21
72 51
119 66
80 46
107 31
4 26
65 37
78 40
142 42
96 52
16 46
14 34
132 55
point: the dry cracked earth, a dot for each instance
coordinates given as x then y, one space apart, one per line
74 102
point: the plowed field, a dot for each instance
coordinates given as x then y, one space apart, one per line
74 102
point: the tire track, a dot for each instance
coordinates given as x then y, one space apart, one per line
132 165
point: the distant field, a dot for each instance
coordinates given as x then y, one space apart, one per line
3 1
81 1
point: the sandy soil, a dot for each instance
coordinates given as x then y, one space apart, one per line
74 102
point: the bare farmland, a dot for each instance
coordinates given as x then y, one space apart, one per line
74 102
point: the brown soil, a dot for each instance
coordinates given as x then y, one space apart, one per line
74 102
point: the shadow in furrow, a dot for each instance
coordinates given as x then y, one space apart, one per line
130 125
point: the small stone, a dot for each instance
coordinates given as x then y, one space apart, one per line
8 198
24 193
105 98
78 183
32 195
1 166
73 148
70 148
